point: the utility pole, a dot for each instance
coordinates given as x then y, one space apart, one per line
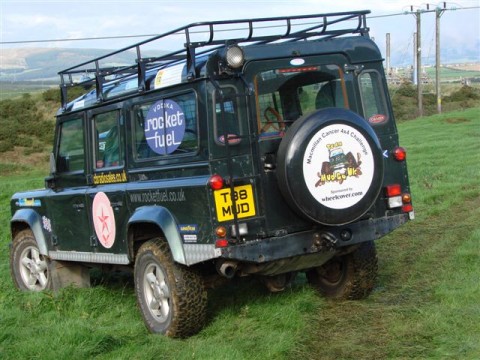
417 51
414 70
388 54
419 64
438 14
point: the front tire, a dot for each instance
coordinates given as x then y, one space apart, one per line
29 269
171 297
348 277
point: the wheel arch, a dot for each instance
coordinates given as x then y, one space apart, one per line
163 221
29 219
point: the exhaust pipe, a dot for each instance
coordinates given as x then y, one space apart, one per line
227 268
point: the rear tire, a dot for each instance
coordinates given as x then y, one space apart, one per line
29 269
348 277
171 297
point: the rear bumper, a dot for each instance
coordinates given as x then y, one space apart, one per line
317 241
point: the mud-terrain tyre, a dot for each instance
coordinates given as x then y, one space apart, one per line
330 166
348 277
171 297
29 268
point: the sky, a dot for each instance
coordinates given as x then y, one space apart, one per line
29 20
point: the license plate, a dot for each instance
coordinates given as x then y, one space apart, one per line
244 203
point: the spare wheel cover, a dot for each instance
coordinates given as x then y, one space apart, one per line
330 166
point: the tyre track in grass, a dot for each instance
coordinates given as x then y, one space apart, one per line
406 316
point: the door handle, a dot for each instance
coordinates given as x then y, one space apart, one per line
116 204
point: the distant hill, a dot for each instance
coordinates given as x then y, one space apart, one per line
43 64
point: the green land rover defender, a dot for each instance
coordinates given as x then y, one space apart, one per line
262 147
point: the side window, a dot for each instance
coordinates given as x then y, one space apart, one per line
373 101
228 122
165 127
71 154
108 149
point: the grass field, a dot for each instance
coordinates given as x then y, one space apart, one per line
449 73
10 90
425 305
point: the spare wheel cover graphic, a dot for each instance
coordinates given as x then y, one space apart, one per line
338 166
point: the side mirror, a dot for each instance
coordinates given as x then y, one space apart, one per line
53 166
50 181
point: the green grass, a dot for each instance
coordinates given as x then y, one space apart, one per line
425 306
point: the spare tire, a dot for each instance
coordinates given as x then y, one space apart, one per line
330 166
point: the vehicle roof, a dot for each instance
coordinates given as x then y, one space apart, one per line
311 33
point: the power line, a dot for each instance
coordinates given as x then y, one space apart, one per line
76 39
152 35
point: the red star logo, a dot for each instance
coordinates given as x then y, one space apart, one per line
103 218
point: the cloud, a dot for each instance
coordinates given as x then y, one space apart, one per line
28 20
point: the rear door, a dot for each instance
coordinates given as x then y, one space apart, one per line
286 90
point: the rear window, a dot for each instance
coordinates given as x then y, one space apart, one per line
285 94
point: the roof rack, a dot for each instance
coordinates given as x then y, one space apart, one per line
206 37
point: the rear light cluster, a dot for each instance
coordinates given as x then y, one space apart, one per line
396 199
399 153
216 182
221 243
221 233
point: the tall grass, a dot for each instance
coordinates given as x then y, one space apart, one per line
424 306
